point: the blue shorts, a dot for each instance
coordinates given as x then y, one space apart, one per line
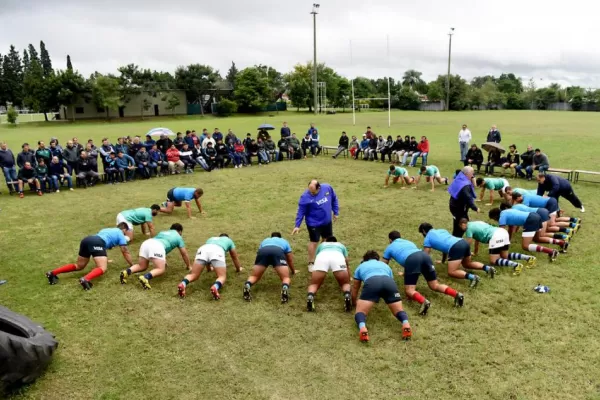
533 223
270 256
544 214
377 287
416 264
460 250
552 205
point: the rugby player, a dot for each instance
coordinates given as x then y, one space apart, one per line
493 184
139 216
400 174
432 173
179 195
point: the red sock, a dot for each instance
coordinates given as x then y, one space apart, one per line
65 268
450 292
96 272
418 297
542 249
558 242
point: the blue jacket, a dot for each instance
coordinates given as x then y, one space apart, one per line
189 140
56 169
217 135
317 209
7 158
123 148
555 186
156 156
364 144
125 162
56 152
149 143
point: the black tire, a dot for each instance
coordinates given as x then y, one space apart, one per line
25 349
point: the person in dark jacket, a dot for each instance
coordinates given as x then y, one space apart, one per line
526 163
149 143
306 144
412 148
26 155
41 173
387 149
372 155
223 158
474 157
285 131
189 139
55 150
271 150
135 146
158 163
92 155
252 151
342 145
111 168
121 146
492 161
210 155
462 198
397 149
540 162
71 156
218 135
105 149
142 160
178 142
43 153
7 163
512 160
494 135
558 187
58 175
284 148
188 155
85 169
164 143
27 175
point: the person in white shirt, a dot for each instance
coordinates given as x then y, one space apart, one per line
208 140
464 137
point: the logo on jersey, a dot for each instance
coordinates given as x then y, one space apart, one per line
327 194
322 201
97 248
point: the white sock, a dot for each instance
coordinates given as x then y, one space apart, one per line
532 247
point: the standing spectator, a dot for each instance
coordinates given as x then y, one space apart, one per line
354 148
306 144
164 143
78 146
208 140
493 160
195 138
223 158
7 162
106 149
121 146
110 167
342 145
397 149
526 163
462 198
149 143
142 160
27 175
56 144
41 173
464 137
369 133
239 155
422 151
285 131
474 157
157 161
188 139
135 146
512 160
186 155
230 139
175 164
178 142
217 135
55 150
540 162
284 147
26 155
294 147
271 149
203 136
210 155
557 187
43 153
85 169
494 135
263 158
57 173
126 165
71 156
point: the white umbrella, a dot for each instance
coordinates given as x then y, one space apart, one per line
160 132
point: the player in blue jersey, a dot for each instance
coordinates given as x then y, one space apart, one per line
179 195
95 247
564 224
378 280
415 263
547 229
458 251
273 252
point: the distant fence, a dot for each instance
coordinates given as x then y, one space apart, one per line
26 117
432 106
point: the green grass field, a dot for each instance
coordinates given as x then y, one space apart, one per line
119 342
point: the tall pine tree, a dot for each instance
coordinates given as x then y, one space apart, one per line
69 65
45 59
12 70
25 60
231 74
33 54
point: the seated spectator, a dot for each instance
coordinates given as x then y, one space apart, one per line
173 159
111 169
55 151
263 158
43 153
195 138
364 147
397 149
27 175
210 156
217 135
284 148
26 156
142 160
248 140
342 145
106 149
372 150
178 142
526 163
126 166
306 144
41 173
186 155
85 169
387 149
252 151
158 162
58 175
7 163
92 155
295 152
540 162
380 145
230 139
412 148
121 146
239 155
474 157
512 160
188 139
422 151
315 147
208 140
262 134
134 147
164 143
271 149
223 158
149 143
354 148
493 160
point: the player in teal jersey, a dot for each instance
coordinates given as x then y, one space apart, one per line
139 216
432 174
399 174
500 185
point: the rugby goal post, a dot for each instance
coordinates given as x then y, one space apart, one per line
389 103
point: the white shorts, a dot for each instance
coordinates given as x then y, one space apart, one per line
211 254
121 218
506 184
333 261
499 239
153 248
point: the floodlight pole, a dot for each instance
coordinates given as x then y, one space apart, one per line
448 76
353 107
315 90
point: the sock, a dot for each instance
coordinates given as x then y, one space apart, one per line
285 286
558 242
361 320
501 262
559 236
486 268
540 249
519 256
572 224
65 268
469 276
450 292
96 272
573 219
185 282
564 230
248 284
148 276
128 271
418 297
218 285
402 317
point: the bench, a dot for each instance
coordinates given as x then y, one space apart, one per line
326 149
579 171
568 172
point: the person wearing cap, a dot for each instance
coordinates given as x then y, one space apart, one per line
364 147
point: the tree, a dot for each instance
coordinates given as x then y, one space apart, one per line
172 102
226 107
509 83
25 60
299 86
479 81
197 80
69 65
275 81
45 59
72 88
231 74
408 99
458 91
251 90
12 115
33 85
412 79
130 83
106 93
12 76
434 91
33 54
515 101
490 96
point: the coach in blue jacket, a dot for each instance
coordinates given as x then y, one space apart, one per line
558 187
319 206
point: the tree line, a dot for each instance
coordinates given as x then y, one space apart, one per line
29 80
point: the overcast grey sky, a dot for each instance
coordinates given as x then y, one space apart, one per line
548 40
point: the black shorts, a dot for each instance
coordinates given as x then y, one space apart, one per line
270 256
170 195
533 223
499 249
92 246
416 264
544 214
460 250
552 205
316 233
377 287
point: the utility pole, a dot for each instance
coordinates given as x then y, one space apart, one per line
314 13
448 76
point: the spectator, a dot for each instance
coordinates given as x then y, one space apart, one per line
494 135
369 134
41 173
223 158
284 147
85 169
512 160
474 157
106 149
413 147
239 155
208 140
163 144
315 148
71 156
216 136
210 155
492 161
262 134
263 158
121 146
173 159
111 169
342 145
26 156
126 165
158 163
364 147
195 138
142 160
387 149
92 155
354 148
540 162
55 150
464 137
78 146
380 146
271 150
58 175
149 143
135 146
285 131
372 151
56 144
7 162
27 175
203 136
230 139
294 147
248 140
422 151
526 163
252 150
178 142
306 144
186 155
188 139
43 153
